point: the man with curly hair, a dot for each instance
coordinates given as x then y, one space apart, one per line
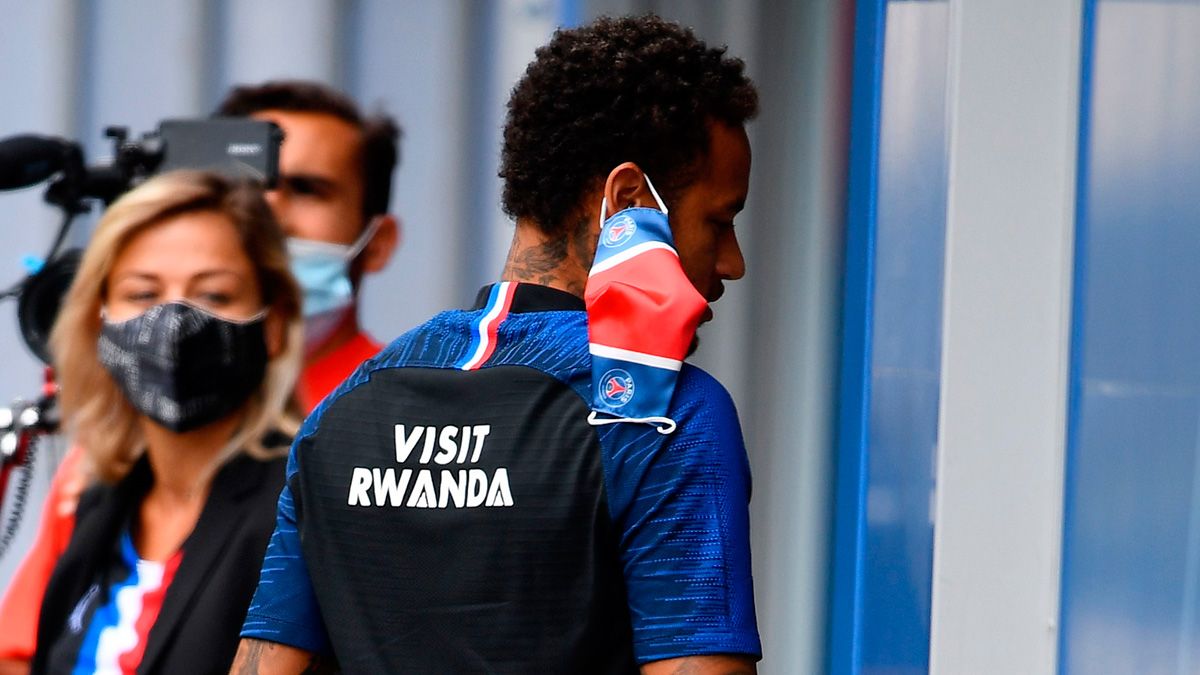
455 507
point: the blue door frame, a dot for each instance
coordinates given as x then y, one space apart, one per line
849 524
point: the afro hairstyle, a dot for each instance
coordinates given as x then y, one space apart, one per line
637 89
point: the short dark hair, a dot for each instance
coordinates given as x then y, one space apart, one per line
380 133
637 89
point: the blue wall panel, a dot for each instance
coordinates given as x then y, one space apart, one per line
1132 532
845 604
906 352
892 335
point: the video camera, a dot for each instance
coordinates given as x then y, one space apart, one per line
237 147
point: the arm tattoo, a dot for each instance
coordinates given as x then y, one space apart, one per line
250 657
247 661
691 667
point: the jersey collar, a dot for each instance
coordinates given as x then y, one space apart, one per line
534 298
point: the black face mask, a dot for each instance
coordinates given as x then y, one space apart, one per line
183 367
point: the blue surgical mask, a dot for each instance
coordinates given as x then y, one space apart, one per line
323 271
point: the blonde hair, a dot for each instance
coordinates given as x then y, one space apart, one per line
94 409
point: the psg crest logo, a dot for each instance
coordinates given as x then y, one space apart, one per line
619 232
616 387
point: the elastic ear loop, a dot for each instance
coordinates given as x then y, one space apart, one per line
661 206
365 238
668 425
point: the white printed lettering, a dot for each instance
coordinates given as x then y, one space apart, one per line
498 492
386 487
359 481
446 443
406 443
430 437
453 488
481 432
464 444
476 487
423 495
463 488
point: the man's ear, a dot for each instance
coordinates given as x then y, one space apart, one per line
378 251
626 186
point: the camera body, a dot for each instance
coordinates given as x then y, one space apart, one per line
236 146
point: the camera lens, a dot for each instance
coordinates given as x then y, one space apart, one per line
41 299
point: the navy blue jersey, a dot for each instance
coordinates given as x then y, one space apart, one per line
448 509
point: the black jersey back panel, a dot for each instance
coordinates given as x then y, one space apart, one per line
499 458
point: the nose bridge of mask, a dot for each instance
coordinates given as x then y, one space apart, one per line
163 306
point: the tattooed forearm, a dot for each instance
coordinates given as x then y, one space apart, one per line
249 655
690 667
260 657
716 664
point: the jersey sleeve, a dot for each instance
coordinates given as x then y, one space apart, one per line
680 504
284 608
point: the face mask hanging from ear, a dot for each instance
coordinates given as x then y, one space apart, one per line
642 317
323 271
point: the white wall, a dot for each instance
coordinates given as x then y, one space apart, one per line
1013 97
444 69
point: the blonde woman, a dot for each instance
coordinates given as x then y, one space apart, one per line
177 348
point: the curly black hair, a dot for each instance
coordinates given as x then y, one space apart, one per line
380 133
636 89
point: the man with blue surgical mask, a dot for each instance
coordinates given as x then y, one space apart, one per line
335 176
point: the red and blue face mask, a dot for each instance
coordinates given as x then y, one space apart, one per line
642 317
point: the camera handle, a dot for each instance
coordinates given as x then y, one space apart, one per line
21 427
77 184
